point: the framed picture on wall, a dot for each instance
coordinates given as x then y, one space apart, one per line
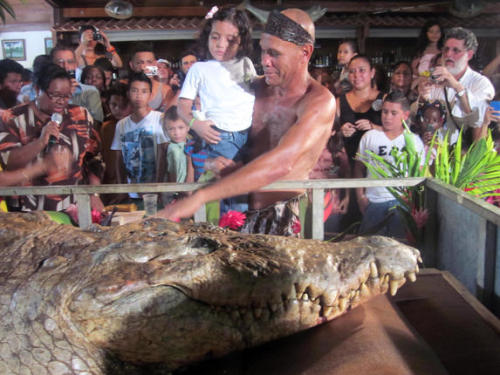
14 49
49 44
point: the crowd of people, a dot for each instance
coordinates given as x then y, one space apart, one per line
73 121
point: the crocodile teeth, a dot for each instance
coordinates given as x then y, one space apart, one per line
373 270
342 304
417 270
365 292
329 298
412 277
305 297
393 287
327 311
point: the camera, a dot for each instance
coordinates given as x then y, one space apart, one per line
72 74
97 34
151 70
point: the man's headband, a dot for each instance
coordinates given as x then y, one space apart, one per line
287 29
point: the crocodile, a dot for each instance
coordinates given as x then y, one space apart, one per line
117 300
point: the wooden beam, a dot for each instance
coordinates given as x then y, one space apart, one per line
138 12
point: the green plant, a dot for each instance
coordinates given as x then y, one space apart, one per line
5 7
476 171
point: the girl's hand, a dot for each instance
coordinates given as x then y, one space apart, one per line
205 131
491 115
364 124
348 129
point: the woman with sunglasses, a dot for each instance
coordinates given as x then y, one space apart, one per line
31 130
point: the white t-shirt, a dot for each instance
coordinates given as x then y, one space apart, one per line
479 91
224 91
377 142
138 143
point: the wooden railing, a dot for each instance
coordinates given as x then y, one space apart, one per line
82 193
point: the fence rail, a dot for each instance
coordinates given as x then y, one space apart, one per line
82 193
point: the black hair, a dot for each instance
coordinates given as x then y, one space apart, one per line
118 89
48 73
171 114
239 19
187 52
100 49
139 77
379 78
40 61
86 71
352 43
27 75
104 64
141 47
435 105
398 97
399 63
9 66
61 47
362 57
423 41
83 28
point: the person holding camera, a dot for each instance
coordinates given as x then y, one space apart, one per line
143 60
465 92
90 37
85 95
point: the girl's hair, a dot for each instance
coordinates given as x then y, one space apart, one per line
436 105
423 41
352 43
48 73
239 19
399 63
86 71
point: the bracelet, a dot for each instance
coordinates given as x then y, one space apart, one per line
191 122
111 49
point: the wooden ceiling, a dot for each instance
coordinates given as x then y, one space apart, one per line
190 8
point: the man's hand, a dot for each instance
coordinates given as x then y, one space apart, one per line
348 129
443 76
58 161
183 208
204 130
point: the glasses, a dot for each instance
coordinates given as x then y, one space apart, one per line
55 97
455 50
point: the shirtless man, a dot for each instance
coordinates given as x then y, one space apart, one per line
292 121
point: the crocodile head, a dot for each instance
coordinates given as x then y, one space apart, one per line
161 292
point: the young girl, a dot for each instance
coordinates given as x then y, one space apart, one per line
222 82
346 51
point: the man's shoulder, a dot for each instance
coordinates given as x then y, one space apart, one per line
473 76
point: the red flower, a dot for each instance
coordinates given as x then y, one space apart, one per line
96 217
232 219
296 227
420 216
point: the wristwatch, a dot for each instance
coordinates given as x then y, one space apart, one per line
461 93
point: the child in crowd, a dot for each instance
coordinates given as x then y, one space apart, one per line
138 135
431 117
375 202
222 83
177 161
347 50
119 106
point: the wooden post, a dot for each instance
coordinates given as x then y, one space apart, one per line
318 196
84 213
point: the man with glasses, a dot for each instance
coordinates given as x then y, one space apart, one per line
84 95
10 82
465 92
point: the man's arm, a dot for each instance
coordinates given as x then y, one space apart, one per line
313 126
